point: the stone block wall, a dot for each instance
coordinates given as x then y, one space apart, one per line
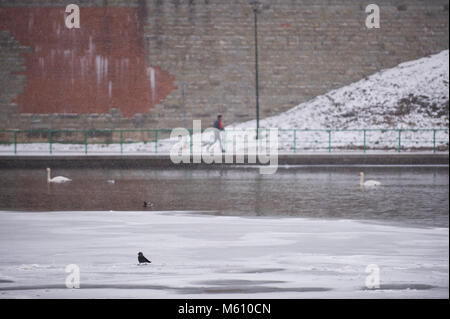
204 48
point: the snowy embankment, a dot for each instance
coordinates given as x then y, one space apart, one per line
216 257
413 95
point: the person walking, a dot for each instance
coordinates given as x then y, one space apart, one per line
218 125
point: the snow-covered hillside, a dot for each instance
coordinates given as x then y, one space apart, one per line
414 94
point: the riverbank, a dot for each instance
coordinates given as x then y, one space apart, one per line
149 161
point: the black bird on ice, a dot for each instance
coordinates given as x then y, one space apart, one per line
148 205
142 259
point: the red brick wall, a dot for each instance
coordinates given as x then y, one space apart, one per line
100 66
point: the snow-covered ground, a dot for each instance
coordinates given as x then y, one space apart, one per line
413 95
198 256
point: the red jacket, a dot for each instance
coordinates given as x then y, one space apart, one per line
218 125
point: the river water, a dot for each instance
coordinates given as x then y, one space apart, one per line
408 195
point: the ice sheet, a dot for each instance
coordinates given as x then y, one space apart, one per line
198 256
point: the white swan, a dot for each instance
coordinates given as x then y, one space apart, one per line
58 179
368 183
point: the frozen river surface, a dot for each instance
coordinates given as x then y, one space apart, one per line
216 257
302 233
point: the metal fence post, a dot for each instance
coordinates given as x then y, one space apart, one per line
295 141
329 141
50 141
399 141
258 138
156 141
434 141
224 139
121 142
15 142
365 139
191 133
85 142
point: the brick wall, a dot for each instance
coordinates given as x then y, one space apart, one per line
205 47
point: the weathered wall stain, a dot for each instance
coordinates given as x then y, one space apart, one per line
102 65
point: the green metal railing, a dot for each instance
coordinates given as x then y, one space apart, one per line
292 140
399 143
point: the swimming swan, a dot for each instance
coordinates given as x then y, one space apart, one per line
58 179
368 183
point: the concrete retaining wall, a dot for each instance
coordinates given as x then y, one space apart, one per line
163 161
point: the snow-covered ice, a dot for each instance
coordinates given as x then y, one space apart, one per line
198 256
